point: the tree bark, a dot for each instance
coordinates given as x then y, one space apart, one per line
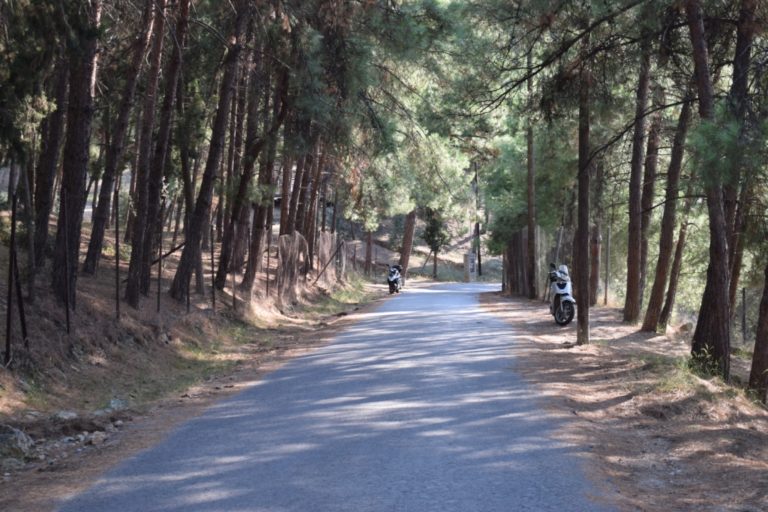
48 162
298 177
668 221
737 212
531 199
712 335
674 276
582 234
649 186
191 252
410 230
154 228
596 240
83 71
285 188
309 172
116 148
368 253
133 284
758 376
634 235
310 220
254 146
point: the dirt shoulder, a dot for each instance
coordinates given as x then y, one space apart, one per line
661 437
72 457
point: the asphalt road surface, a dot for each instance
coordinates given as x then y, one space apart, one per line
416 407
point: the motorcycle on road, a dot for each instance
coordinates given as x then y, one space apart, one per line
395 279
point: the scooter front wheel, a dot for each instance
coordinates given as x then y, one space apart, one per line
564 313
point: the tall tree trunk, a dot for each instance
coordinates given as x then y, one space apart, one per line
633 299
410 230
133 284
582 233
285 188
758 376
368 253
309 172
737 212
253 148
154 228
48 162
531 199
191 252
596 240
649 186
712 335
83 70
674 277
298 177
310 220
117 146
668 222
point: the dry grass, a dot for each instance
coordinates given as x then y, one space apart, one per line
662 436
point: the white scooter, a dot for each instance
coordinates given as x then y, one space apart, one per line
562 304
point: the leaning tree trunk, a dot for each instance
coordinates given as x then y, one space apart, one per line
133 283
83 70
712 335
634 237
668 222
154 228
582 233
737 215
410 230
758 376
191 253
117 146
298 177
253 148
48 162
649 186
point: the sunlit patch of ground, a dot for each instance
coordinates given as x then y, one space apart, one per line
666 438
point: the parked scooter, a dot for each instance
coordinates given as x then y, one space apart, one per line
562 304
395 279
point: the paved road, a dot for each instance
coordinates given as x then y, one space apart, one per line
413 408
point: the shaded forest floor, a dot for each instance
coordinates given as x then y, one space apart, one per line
662 436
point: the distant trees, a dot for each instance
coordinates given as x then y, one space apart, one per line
436 234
